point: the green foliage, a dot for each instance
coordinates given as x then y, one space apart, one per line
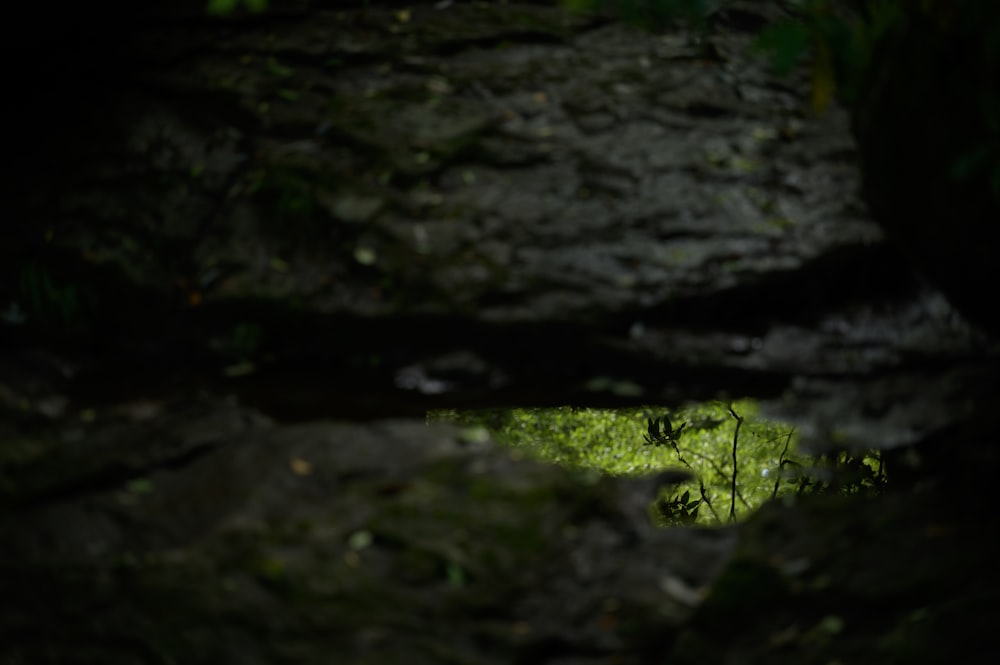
669 435
845 41
786 42
678 509
53 303
837 37
227 7
983 159
839 41
740 460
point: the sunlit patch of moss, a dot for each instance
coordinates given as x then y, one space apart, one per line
730 484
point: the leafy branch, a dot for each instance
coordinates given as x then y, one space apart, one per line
722 473
701 483
657 438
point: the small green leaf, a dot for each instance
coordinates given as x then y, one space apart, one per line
221 7
455 574
364 255
831 624
275 68
272 568
225 7
139 486
786 42
244 368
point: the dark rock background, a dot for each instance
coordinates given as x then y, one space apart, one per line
246 255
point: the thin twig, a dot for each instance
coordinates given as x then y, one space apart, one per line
781 463
736 439
704 499
701 482
715 467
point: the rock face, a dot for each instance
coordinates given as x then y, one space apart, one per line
273 225
231 539
371 211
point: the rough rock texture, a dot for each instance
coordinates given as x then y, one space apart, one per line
233 540
372 210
